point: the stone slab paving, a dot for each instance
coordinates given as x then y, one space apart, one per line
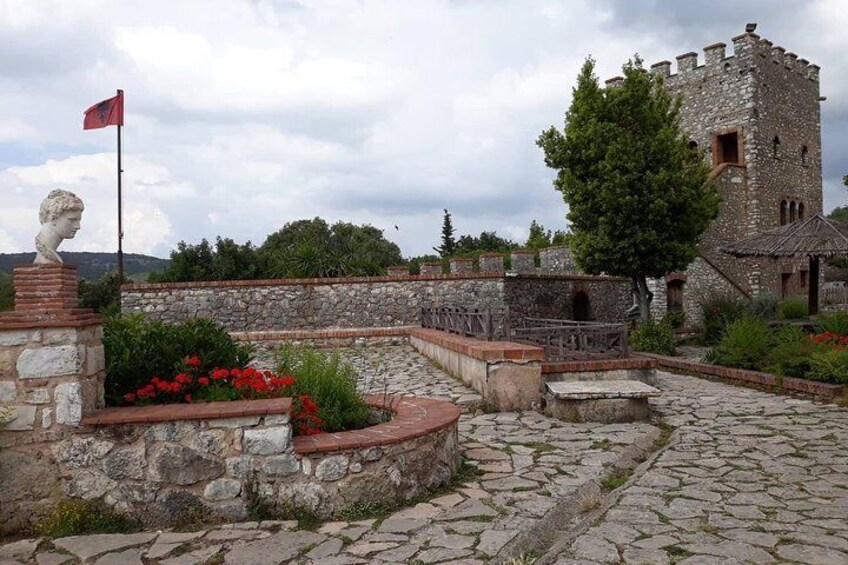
749 477
528 464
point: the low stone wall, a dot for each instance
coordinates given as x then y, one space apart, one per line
507 375
299 304
173 464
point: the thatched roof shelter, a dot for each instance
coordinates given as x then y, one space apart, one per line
813 238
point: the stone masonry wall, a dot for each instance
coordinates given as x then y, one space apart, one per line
360 303
49 379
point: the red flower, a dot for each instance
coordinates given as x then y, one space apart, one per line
218 374
203 380
182 378
187 398
193 361
129 397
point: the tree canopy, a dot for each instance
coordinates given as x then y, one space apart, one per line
540 238
448 246
638 195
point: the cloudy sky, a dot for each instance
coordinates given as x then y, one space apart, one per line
244 115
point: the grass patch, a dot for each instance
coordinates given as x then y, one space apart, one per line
74 516
677 553
615 479
603 444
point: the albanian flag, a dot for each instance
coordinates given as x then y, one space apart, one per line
107 113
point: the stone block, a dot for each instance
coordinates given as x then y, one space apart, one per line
95 360
37 396
60 336
21 418
81 451
267 441
222 489
332 468
8 360
171 463
285 464
604 411
14 337
46 362
69 403
512 386
8 392
125 463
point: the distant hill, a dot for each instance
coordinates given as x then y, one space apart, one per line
92 266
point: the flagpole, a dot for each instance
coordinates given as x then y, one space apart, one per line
120 213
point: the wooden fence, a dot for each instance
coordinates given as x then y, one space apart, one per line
570 340
562 340
484 323
835 298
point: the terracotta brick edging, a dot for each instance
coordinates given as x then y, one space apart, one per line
478 348
176 412
824 390
599 365
413 418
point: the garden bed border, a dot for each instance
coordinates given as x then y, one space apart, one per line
825 390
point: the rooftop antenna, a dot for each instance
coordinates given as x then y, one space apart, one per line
749 28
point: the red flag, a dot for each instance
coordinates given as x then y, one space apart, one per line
107 113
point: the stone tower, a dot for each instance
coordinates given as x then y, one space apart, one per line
755 114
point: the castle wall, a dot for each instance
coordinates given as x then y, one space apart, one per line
367 302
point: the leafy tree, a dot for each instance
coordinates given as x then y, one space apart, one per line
638 196
840 214
541 238
226 261
486 242
312 248
448 246
102 295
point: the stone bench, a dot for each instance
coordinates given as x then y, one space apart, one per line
609 401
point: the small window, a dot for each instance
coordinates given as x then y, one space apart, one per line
693 145
793 211
800 210
802 279
775 147
804 155
784 208
785 278
727 148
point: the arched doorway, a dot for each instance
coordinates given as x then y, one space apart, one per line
674 295
581 306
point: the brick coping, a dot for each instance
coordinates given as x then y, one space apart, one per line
413 417
174 412
478 348
330 333
825 390
141 287
599 365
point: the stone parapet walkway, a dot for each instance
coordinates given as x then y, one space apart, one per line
749 477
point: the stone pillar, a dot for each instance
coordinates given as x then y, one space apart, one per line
492 263
556 260
52 364
461 265
431 268
398 270
522 261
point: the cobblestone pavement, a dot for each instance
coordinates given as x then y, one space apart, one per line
749 477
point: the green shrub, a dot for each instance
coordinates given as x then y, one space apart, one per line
718 313
653 337
836 323
764 306
138 349
791 353
829 366
102 295
746 344
74 516
793 308
675 318
329 382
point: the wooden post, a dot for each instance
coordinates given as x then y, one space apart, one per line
813 300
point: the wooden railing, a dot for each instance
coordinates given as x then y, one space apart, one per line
484 323
836 297
569 340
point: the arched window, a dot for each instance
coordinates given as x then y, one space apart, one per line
804 155
793 211
800 210
783 210
775 147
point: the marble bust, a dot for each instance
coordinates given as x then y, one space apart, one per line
60 216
